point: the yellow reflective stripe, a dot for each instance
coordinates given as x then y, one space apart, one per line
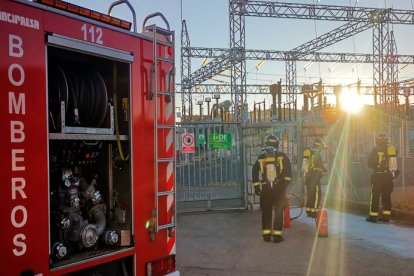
314 210
373 214
261 162
288 178
280 159
309 209
266 232
277 233
316 197
370 201
270 159
256 184
380 156
386 212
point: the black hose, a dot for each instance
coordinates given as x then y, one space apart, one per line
92 97
73 103
300 206
82 99
88 97
124 269
101 98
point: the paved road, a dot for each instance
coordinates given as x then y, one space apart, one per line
230 243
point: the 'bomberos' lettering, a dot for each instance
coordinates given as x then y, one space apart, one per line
17 111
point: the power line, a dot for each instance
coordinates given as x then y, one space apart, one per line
181 11
316 36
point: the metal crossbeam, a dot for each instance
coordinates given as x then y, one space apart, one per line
325 40
224 89
273 55
209 70
332 37
252 89
325 12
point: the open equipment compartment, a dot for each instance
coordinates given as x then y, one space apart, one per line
90 182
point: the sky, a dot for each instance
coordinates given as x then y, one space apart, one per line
208 26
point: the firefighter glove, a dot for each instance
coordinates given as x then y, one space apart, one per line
396 173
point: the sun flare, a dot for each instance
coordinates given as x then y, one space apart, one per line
351 101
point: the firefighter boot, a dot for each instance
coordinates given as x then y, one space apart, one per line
384 218
372 219
278 238
266 237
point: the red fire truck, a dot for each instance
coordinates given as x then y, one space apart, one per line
87 141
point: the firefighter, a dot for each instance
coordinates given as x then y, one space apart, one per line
313 177
382 161
271 175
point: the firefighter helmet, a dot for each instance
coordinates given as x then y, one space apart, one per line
272 141
381 139
318 143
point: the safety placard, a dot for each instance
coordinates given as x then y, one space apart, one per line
187 143
201 139
220 140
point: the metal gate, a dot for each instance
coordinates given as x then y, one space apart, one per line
211 178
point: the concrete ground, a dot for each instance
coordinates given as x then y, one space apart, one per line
230 243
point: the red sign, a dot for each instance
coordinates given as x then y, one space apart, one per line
187 143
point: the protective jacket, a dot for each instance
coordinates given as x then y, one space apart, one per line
271 174
313 182
381 181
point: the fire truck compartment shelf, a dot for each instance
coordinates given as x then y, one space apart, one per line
91 256
63 136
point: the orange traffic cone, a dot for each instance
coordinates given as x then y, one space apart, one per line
322 223
286 215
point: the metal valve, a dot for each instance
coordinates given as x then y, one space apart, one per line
111 237
65 223
96 197
59 250
89 235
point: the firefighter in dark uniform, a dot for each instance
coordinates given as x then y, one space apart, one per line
271 175
382 160
313 179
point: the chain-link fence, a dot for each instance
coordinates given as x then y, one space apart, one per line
354 139
211 177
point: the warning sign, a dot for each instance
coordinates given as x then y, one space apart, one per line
187 143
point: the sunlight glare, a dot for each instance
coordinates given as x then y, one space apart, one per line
351 101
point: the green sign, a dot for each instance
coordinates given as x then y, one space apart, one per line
201 139
220 140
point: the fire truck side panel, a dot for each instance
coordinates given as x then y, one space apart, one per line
24 116
23 143
88 32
